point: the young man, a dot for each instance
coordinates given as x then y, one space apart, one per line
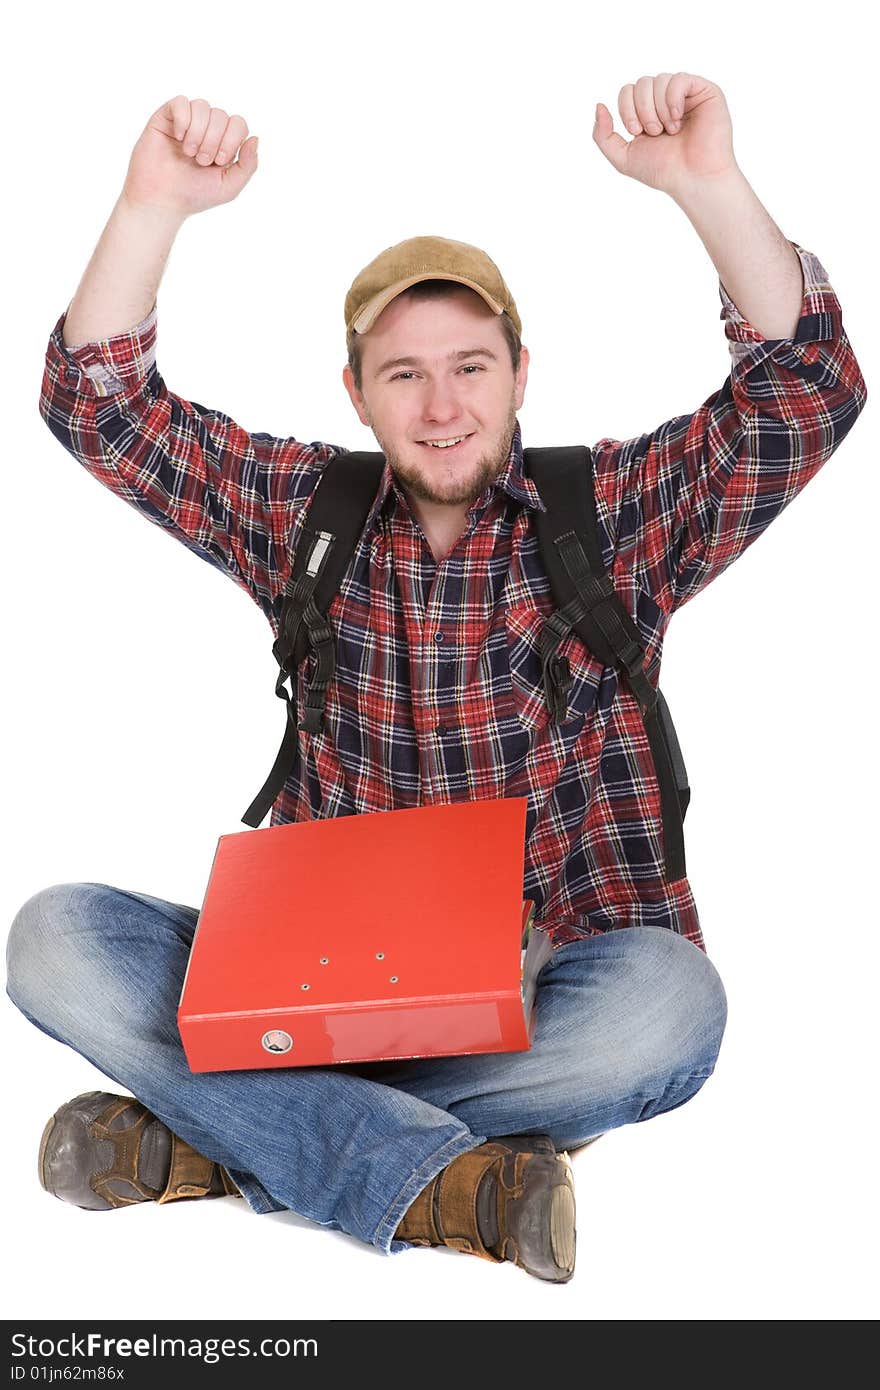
437 696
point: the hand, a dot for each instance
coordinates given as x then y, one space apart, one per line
184 162
669 152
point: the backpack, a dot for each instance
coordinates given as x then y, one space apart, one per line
585 596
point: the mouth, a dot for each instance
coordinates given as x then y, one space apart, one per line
444 448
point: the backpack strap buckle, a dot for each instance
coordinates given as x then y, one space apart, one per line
632 656
558 679
321 638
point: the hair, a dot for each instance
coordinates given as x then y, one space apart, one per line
435 289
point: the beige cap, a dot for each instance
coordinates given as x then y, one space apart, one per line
423 258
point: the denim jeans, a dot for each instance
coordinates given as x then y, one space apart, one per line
628 1025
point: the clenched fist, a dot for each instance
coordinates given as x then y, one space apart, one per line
682 131
185 160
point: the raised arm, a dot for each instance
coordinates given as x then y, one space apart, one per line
183 163
684 500
230 496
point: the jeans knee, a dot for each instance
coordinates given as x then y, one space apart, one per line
39 944
697 1001
682 1005
714 1007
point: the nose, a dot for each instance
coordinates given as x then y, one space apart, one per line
440 402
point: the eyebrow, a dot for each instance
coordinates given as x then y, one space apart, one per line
451 357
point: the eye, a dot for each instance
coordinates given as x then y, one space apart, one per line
469 367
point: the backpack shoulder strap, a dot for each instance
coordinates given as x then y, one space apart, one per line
337 514
569 541
588 603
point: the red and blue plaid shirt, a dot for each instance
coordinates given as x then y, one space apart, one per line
438 692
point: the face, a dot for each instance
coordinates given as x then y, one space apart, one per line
458 379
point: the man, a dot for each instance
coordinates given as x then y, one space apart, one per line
437 696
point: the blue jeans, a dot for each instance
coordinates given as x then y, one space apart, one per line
628 1025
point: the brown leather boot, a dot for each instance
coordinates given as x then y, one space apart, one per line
102 1151
511 1198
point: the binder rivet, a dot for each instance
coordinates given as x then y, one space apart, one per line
394 979
380 955
325 960
304 986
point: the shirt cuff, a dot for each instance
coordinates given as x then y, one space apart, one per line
108 365
820 317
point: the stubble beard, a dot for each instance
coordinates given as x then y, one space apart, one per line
479 475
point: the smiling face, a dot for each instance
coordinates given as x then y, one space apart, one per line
456 379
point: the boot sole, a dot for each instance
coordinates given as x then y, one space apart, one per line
542 1229
41 1170
562 1229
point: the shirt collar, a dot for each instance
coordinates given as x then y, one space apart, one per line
512 479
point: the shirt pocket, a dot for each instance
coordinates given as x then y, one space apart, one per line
525 624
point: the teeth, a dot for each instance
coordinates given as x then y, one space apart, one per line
444 443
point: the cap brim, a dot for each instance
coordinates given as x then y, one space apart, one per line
373 308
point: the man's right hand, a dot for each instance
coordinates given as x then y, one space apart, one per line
184 162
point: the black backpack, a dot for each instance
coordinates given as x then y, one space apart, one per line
586 598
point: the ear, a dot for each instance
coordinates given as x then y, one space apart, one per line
522 376
357 399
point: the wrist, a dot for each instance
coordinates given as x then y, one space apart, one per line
695 192
156 215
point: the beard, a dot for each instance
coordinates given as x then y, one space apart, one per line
459 490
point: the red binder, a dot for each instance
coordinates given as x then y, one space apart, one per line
358 938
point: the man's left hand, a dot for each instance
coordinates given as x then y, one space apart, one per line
670 151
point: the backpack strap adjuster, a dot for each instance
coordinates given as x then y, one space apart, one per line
321 638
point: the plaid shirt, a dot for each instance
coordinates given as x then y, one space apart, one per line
438 693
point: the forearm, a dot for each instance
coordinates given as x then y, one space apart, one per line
120 283
756 263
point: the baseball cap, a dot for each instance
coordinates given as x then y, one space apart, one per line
423 258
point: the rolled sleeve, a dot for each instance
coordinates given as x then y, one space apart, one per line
107 366
820 317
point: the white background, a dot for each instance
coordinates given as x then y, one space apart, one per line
139 716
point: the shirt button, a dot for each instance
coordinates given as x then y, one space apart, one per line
72 374
438 636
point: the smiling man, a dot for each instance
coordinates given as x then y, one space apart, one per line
443 413
438 694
